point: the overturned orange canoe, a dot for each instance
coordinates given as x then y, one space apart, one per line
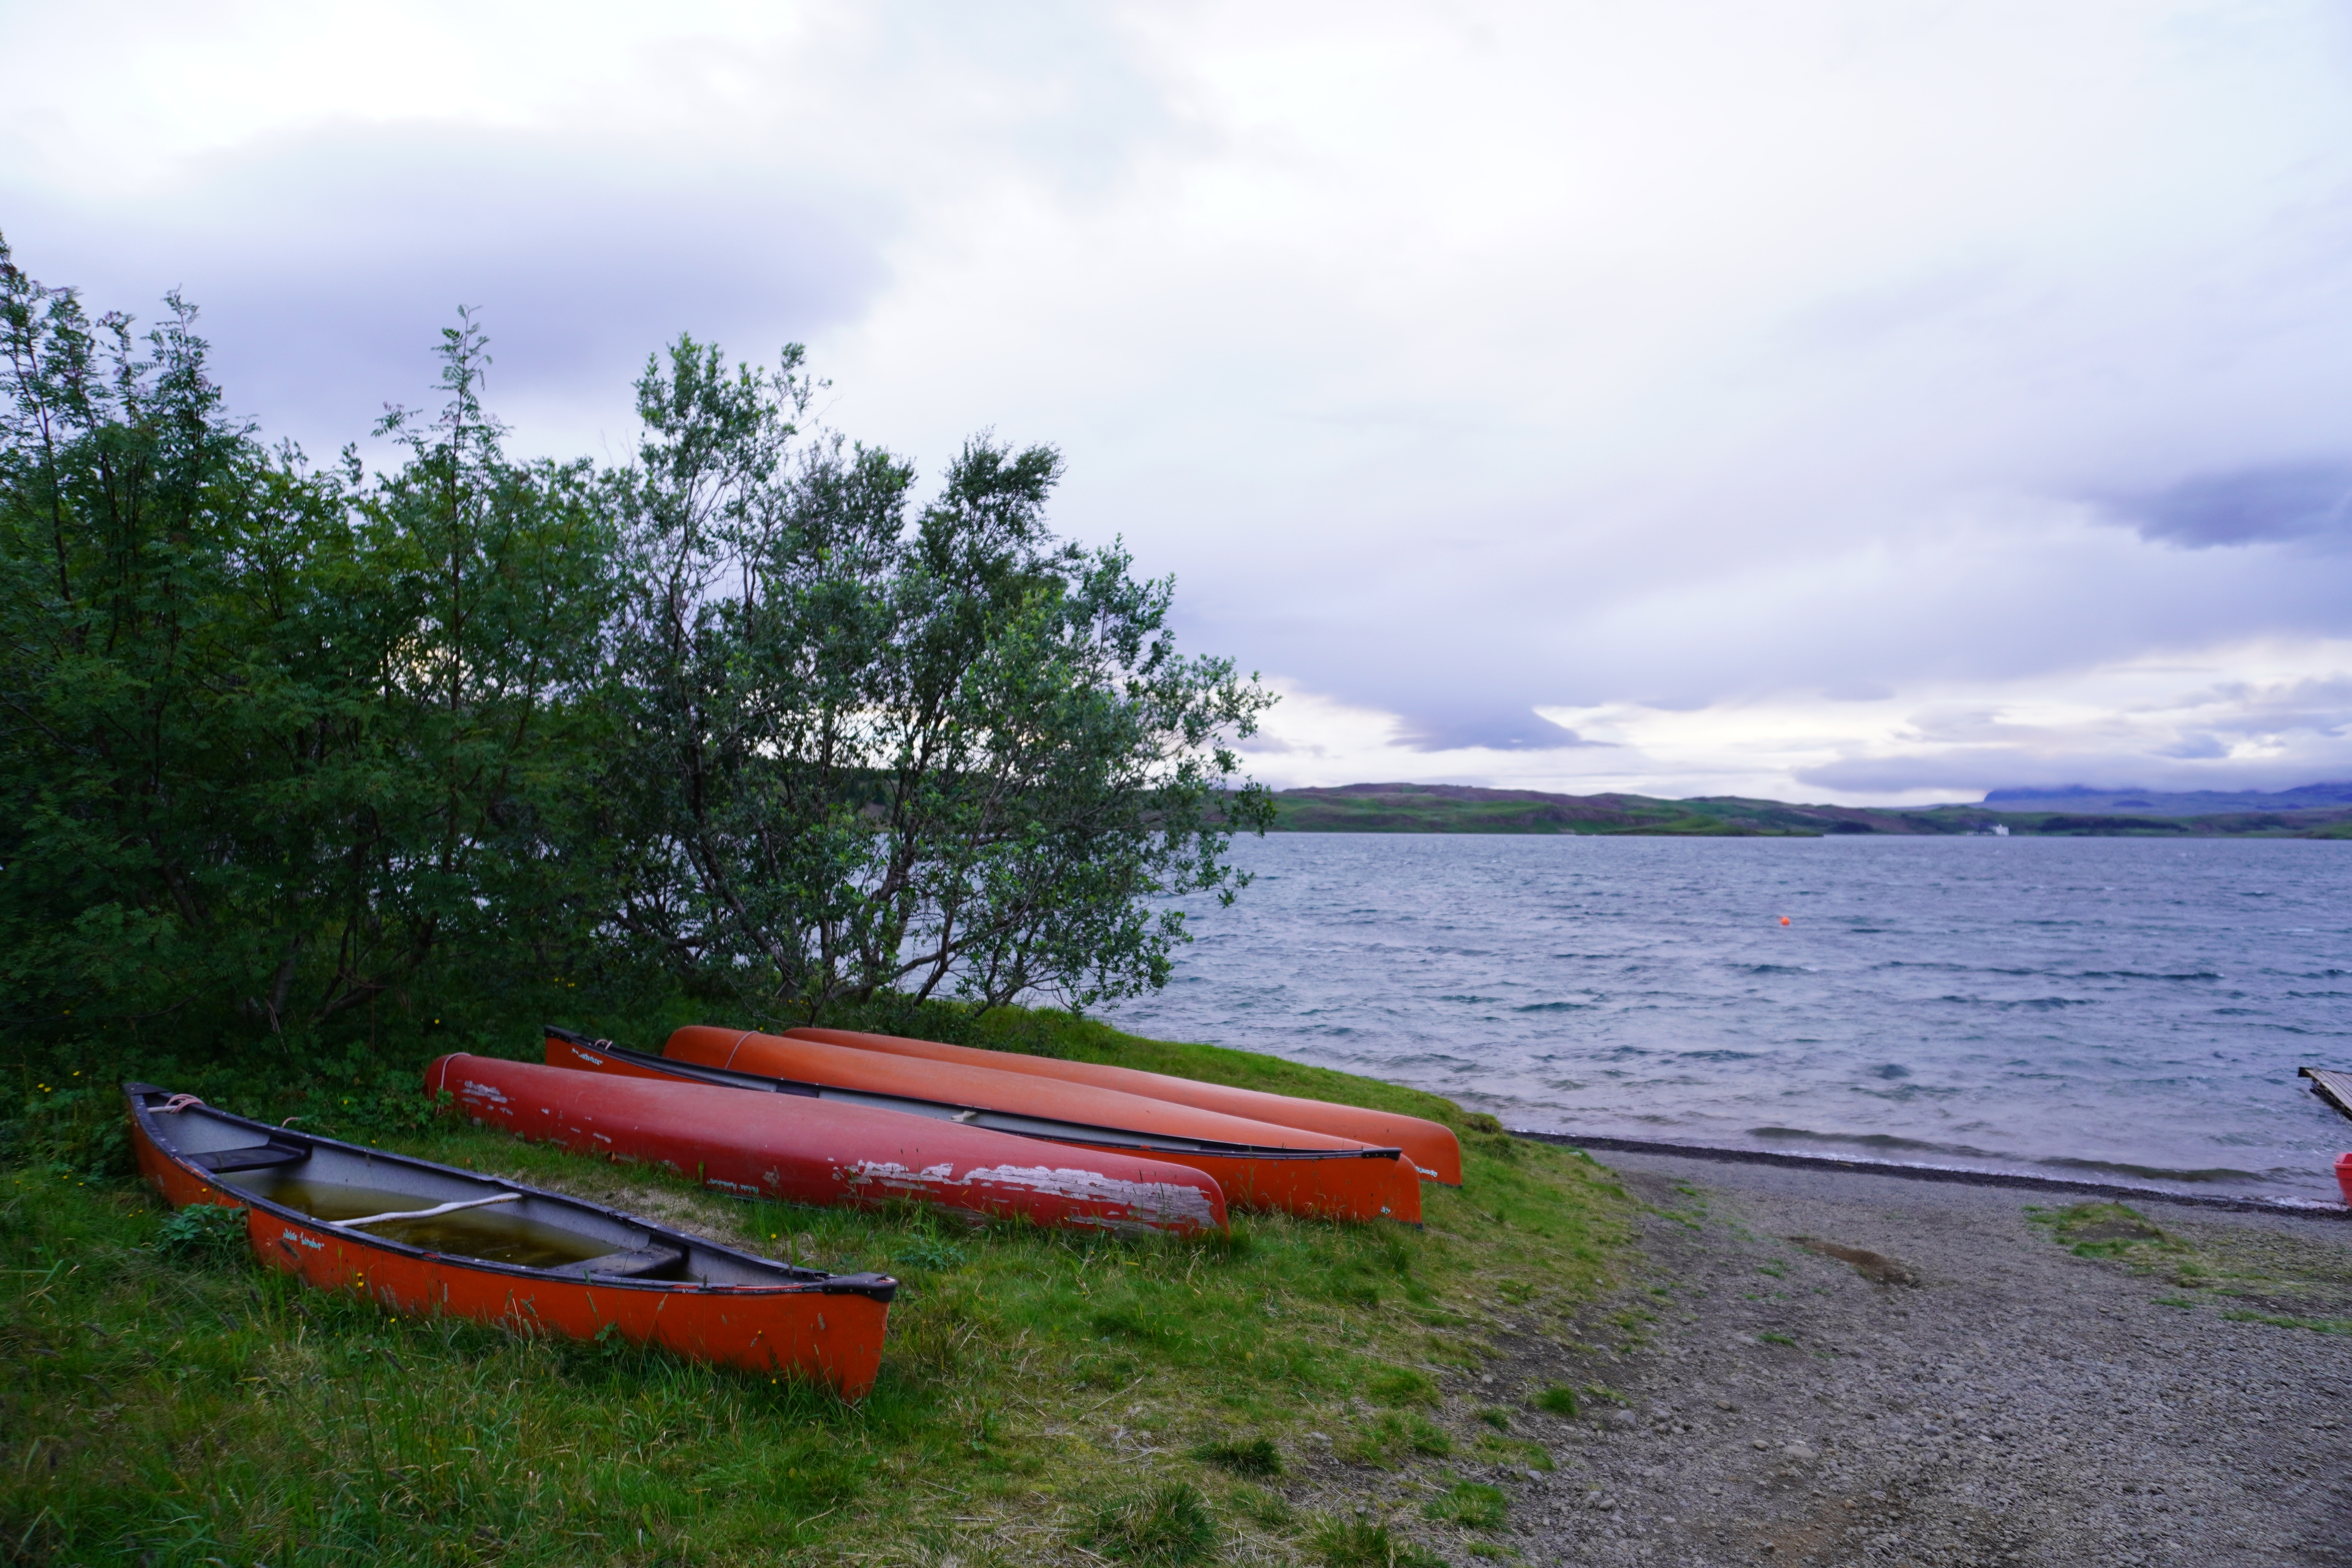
1209 1161
1291 1169
804 1151
425 1238
1429 1146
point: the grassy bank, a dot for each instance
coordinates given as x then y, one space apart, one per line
1044 1397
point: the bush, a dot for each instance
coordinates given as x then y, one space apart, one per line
1169 1523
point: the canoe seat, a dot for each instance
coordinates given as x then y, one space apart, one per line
254 1157
651 1259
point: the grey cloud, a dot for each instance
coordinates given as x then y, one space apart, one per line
2307 722
2244 506
325 269
2323 706
1498 730
1968 775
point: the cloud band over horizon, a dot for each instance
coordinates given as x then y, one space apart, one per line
1855 402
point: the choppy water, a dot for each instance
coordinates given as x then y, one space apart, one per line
2113 1009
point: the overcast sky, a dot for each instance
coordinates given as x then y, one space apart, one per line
1859 402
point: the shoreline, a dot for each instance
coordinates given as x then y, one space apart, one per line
2114 1192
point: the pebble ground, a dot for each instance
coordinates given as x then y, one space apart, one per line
2019 1405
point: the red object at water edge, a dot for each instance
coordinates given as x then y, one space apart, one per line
419 1237
810 1150
2344 1178
1432 1146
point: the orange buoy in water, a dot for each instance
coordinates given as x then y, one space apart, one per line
1784 919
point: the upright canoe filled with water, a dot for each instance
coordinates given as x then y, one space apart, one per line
421 1238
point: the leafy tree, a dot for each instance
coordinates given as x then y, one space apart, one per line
270 739
147 550
870 752
279 743
477 591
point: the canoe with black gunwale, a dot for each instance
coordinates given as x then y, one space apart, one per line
1289 1170
801 1149
1081 1141
1432 1146
422 1237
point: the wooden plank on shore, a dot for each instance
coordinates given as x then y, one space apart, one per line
2335 1088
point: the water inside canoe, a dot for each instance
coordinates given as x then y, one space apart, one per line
487 1234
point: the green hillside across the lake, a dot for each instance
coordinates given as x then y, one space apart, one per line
1464 808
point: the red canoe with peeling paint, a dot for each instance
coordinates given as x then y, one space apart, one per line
1224 1161
1432 1146
425 1238
1258 1165
804 1149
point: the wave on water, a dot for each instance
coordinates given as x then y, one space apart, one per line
1881 1141
2152 1172
2142 975
1925 1002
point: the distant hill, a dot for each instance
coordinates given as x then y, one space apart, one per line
2158 802
1466 808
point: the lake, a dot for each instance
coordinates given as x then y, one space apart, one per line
2112 1009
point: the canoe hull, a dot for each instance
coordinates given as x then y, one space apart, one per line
1429 1146
1297 1171
807 1151
833 1337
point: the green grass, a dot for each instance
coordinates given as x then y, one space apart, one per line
1255 1457
1167 1523
1360 1544
1516 1452
173 1402
1473 1504
2267 1278
1558 1399
2110 1230
2285 1321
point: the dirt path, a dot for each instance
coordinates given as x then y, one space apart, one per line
2018 1404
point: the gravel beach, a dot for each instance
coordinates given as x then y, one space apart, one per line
1950 1382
